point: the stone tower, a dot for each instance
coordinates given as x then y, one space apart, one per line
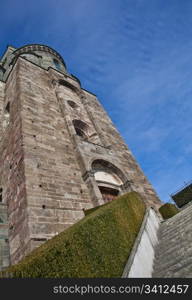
60 153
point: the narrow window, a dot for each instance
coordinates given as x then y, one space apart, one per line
57 64
7 108
6 115
1 195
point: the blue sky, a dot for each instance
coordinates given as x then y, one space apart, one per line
136 56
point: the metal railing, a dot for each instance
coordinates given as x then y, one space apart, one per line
186 185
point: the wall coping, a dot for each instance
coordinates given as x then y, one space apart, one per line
130 261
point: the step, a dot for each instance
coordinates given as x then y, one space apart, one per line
173 254
182 239
171 246
171 257
183 272
176 233
172 265
178 218
165 245
176 224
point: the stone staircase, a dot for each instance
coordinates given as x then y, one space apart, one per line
173 254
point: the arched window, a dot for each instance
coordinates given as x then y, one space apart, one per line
81 128
57 64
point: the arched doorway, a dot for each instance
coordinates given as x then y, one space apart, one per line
108 194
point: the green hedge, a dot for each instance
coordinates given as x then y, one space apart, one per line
91 210
96 246
168 210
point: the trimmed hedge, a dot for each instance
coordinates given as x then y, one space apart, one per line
97 246
91 210
168 210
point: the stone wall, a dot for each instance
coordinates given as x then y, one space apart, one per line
12 170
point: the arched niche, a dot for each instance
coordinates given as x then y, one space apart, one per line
105 176
100 164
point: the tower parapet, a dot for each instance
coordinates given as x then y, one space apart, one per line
40 55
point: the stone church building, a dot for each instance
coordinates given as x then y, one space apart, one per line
60 153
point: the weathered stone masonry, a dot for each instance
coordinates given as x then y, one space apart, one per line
59 154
